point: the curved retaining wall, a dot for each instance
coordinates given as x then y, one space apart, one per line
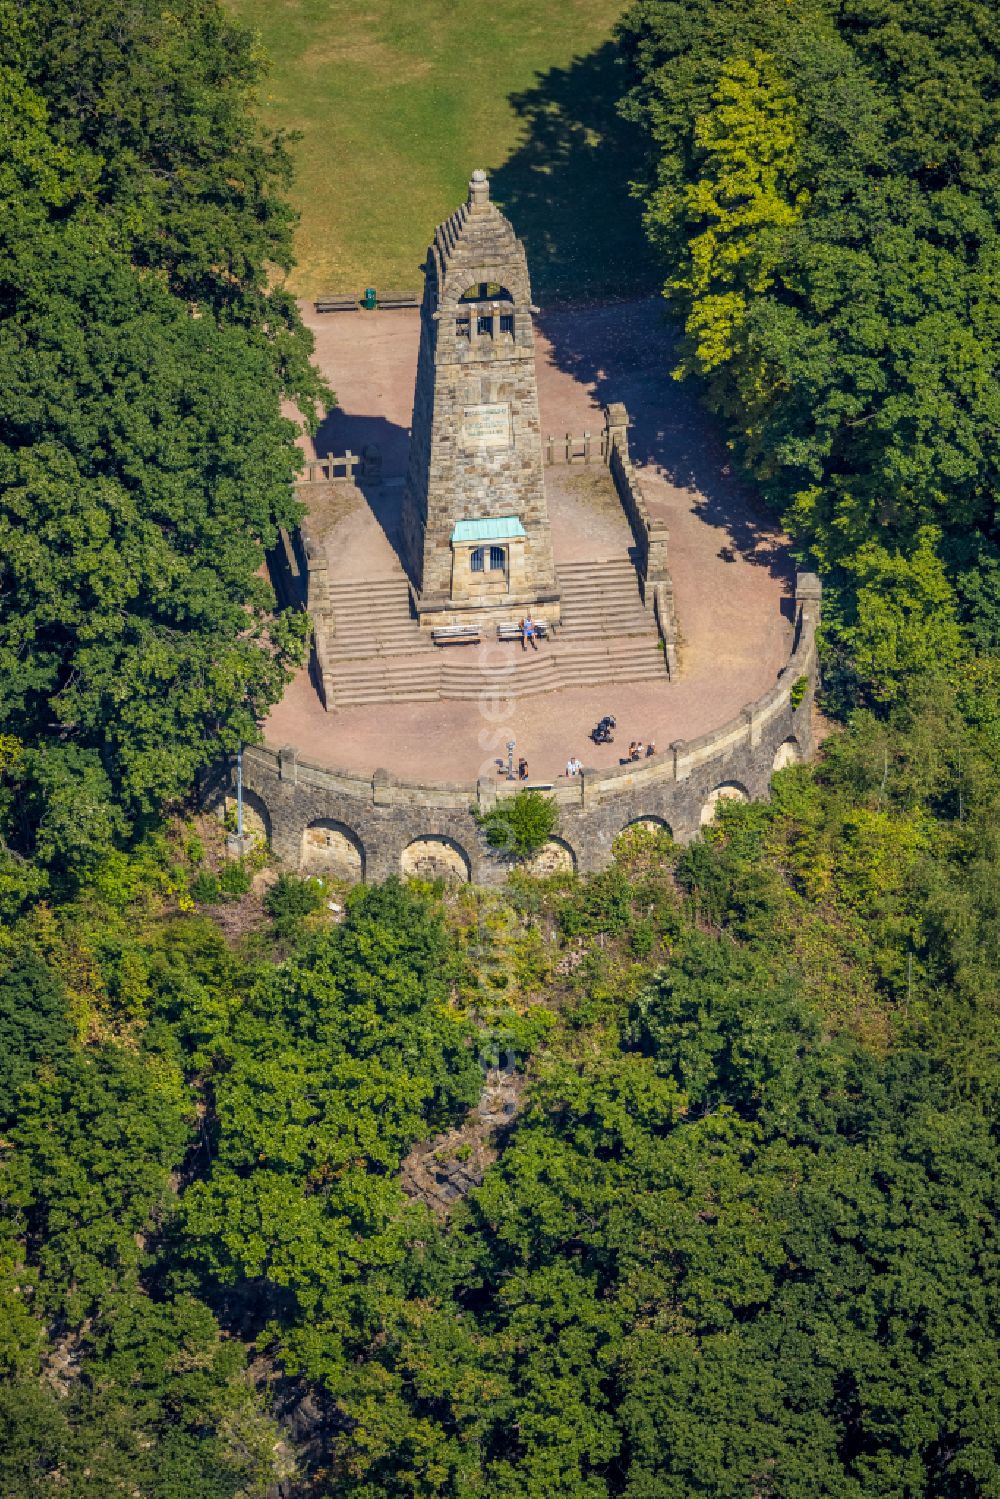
374 826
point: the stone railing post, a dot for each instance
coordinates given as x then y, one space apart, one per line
656 552
616 425
677 749
288 764
590 787
753 724
382 783
808 597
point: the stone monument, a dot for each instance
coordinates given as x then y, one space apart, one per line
475 521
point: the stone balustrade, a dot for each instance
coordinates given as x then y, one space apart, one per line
370 826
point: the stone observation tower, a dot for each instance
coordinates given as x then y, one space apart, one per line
475 522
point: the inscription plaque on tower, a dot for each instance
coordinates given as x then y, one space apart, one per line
475 444
486 426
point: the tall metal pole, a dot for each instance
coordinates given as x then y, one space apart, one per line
239 792
510 759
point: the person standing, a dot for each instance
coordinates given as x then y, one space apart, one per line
522 769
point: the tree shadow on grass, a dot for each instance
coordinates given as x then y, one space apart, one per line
566 186
566 191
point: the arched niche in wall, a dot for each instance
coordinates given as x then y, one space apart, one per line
329 847
554 857
648 825
726 791
641 832
435 858
256 817
787 753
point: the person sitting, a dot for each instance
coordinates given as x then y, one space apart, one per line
631 751
528 633
639 750
650 749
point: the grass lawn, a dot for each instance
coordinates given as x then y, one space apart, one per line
398 100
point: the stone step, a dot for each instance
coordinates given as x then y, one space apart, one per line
396 584
382 608
404 667
359 698
604 603
601 603
624 648
367 647
574 588
603 629
399 607
541 674
626 613
404 679
577 597
624 587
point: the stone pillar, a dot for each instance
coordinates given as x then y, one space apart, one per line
677 749
479 189
288 763
808 598
753 723
808 602
590 787
382 783
656 552
616 425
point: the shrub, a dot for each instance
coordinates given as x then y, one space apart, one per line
798 691
519 826
205 888
290 900
234 879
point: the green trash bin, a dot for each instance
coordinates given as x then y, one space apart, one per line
370 298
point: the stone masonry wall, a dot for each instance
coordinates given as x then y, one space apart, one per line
476 361
382 826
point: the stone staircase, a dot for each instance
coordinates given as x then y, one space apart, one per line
379 655
606 634
524 676
600 600
373 618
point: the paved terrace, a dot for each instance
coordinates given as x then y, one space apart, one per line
731 574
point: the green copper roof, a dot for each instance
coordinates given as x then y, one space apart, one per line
496 528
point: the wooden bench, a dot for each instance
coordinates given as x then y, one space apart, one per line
336 304
399 299
512 630
455 635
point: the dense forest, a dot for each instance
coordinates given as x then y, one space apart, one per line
737 1233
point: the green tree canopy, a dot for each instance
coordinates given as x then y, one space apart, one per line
145 464
823 190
